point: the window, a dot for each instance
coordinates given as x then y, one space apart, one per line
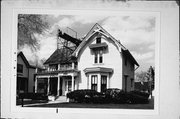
98 56
103 83
94 82
132 82
98 40
19 68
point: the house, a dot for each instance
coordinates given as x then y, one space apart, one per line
25 74
99 62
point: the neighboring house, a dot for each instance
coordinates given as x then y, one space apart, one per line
25 74
141 86
98 63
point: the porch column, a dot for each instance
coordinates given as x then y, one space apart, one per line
72 82
48 85
59 66
108 81
88 84
73 65
58 85
89 76
99 83
36 84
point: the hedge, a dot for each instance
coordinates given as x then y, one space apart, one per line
33 96
113 95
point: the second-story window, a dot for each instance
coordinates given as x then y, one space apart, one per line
98 56
19 68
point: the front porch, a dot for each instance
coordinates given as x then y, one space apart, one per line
57 84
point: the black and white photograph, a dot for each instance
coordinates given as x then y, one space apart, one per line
83 61
89 59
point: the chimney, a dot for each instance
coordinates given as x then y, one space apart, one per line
59 38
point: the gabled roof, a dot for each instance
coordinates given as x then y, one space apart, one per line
62 55
129 56
23 58
94 30
20 53
98 29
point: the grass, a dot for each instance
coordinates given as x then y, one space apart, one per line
150 105
26 102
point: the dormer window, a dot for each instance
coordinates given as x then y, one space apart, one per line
98 40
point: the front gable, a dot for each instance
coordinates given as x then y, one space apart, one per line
96 31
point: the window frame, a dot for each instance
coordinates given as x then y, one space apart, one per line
103 82
98 40
98 56
20 68
94 82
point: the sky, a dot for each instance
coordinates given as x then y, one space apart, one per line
136 33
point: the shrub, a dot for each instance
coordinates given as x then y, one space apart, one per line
86 95
137 97
146 95
33 96
112 95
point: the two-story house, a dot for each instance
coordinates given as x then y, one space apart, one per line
25 74
99 62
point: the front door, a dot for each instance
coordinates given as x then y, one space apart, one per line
53 86
68 86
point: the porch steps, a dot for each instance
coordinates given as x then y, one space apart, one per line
61 99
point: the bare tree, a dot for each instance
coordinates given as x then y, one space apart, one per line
28 26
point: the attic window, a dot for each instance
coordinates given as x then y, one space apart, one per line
98 40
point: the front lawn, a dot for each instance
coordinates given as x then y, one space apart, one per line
150 105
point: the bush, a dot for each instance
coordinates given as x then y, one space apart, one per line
146 95
137 97
33 96
87 96
112 95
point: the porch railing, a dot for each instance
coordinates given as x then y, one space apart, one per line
60 68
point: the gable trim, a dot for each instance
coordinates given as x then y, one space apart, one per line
103 32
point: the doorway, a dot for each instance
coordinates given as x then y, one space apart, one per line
53 86
68 86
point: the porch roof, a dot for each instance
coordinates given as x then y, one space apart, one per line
57 72
98 69
63 55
